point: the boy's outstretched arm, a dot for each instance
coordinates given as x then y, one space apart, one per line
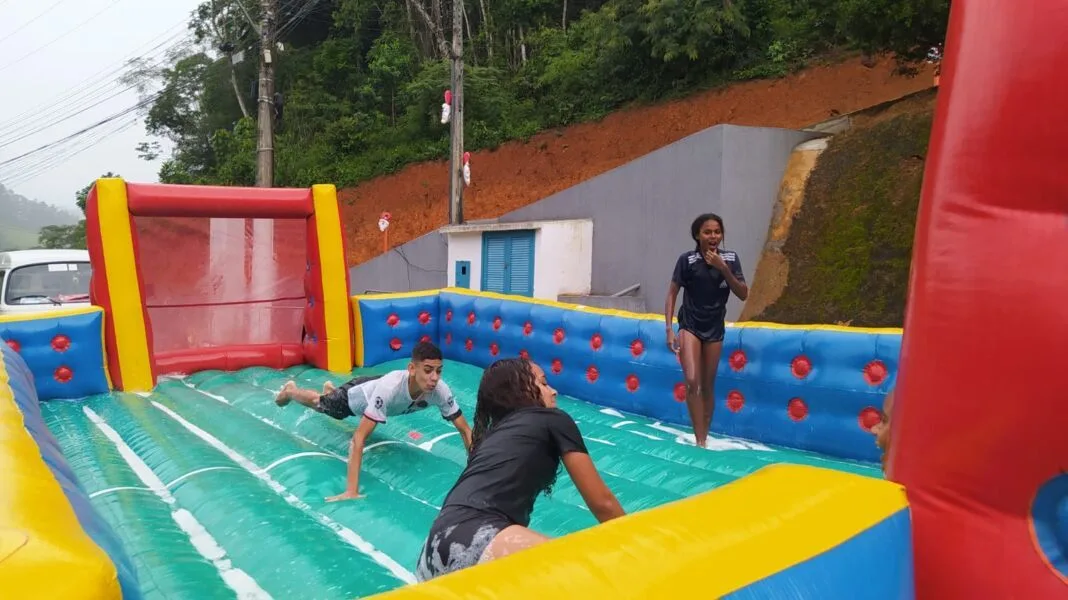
359 437
465 430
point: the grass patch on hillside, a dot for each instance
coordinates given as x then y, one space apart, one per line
850 247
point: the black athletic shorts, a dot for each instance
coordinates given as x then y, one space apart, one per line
336 403
458 538
708 332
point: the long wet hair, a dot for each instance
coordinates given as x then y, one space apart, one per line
695 227
507 385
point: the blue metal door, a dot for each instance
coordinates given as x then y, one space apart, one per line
508 262
463 274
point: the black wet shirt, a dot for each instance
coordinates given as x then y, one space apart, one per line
516 460
704 304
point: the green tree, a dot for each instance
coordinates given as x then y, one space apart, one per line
69 236
62 236
363 80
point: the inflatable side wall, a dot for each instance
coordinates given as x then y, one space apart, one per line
53 544
812 388
63 348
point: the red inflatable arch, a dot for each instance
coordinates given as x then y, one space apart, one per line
979 432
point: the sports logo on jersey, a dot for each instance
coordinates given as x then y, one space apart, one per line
379 402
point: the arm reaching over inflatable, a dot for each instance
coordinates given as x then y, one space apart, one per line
359 438
602 502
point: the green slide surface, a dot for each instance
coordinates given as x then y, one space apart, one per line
217 492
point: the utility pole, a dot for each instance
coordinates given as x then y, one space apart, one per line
265 112
456 179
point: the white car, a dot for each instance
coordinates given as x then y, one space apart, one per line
40 280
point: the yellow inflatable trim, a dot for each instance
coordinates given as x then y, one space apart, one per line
44 552
711 544
622 313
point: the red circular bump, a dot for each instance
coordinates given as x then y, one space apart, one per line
448 338
425 338
875 372
735 401
392 320
557 366
632 383
395 344
471 318
528 327
494 349
737 360
424 317
14 345
592 374
63 374
415 435
448 316
596 341
680 392
469 345
797 409
558 336
524 355
801 366
637 347
869 417
496 323
61 343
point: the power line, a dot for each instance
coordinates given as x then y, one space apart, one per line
61 36
71 105
97 81
35 162
31 153
51 124
31 21
57 159
300 15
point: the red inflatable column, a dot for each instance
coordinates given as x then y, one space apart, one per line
980 423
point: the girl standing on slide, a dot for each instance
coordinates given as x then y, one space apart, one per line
518 442
709 274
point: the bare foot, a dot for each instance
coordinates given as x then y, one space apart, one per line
328 387
283 396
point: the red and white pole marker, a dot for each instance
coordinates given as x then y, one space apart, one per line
446 108
383 225
467 168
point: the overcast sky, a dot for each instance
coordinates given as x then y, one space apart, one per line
57 59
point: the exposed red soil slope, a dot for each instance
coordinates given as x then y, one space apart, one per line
519 173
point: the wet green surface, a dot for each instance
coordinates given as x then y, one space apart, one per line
252 478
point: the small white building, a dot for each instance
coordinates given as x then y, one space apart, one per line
538 259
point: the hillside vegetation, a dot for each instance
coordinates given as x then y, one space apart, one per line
22 218
363 82
850 246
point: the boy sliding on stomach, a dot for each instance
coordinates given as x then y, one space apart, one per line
377 397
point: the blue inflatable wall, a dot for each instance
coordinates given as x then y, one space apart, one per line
64 349
812 388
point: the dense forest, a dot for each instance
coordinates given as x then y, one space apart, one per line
360 83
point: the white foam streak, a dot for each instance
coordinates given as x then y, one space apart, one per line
236 579
343 532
